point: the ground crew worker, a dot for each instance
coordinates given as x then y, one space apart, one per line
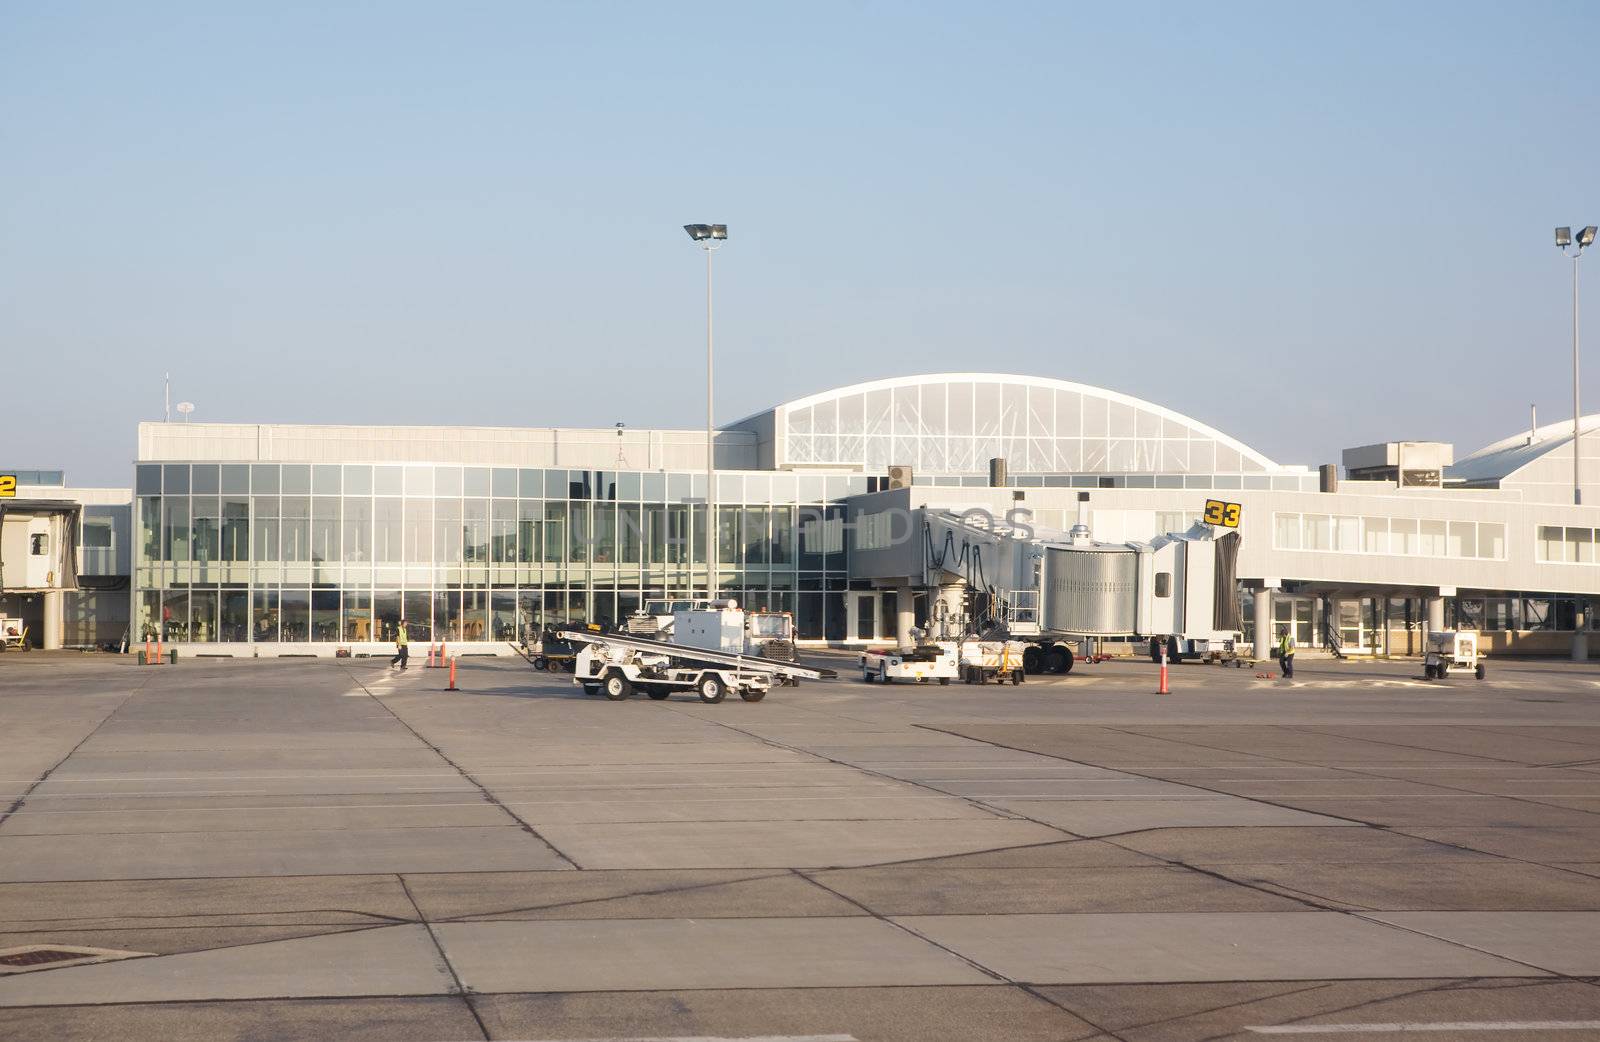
1286 653
401 652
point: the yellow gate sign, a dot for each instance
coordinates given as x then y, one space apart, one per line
1224 515
8 486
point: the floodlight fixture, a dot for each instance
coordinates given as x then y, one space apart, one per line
1586 237
720 231
1563 237
701 232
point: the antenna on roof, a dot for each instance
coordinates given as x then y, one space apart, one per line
1533 430
166 398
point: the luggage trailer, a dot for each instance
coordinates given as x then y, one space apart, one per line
618 664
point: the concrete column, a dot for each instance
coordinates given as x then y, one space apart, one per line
1580 638
905 617
1435 615
54 618
1263 613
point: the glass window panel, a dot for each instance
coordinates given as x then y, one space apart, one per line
578 533
447 481
628 486
325 479
630 534
295 615
206 480
1492 540
1551 544
175 479
1375 535
1462 539
325 615
147 479
530 484
604 548
1433 537
1580 546
357 480
1286 531
235 478
325 528
356 624
387 518
1347 534
296 479
388 481
475 481
203 616
419 481
235 528
264 478
358 529
1403 537
233 623
175 540
503 483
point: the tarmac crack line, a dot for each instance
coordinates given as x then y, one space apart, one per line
487 795
22 798
460 988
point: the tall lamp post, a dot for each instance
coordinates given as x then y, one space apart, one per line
1574 249
709 237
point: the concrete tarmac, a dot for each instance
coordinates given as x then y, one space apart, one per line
313 849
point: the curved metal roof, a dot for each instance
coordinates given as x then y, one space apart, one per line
1505 457
1166 424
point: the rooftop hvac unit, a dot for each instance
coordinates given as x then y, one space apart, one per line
899 477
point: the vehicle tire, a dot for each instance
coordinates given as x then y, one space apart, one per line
1427 671
1480 672
1155 649
794 682
752 696
944 681
1061 660
656 694
617 687
1172 651
1033 659
539 661
711 689
591 689
866 677
1016 677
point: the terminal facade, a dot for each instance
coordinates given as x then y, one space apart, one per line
252 539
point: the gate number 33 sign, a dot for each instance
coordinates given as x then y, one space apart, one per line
1220 513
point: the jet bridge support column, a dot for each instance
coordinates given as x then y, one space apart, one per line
905 617
1263 621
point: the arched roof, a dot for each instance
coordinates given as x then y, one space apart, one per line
1508 455
956 422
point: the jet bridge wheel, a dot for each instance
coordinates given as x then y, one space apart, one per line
616 686
1060 660
1033 659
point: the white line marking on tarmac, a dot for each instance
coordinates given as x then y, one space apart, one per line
1439 1026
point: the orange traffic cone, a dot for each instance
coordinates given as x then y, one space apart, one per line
1163 689
452 686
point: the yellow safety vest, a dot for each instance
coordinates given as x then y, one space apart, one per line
400 636
1285 645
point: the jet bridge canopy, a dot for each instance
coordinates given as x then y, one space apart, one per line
39 545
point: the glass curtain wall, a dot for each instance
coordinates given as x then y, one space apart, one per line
301 553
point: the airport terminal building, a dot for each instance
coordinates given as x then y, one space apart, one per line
266 539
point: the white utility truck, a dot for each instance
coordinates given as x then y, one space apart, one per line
1452 651
618 664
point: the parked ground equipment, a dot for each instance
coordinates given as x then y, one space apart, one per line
618 664
984 660
938 662
13 634
555 653
1452 651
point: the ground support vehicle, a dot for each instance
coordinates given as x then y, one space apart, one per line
1222 651
984 660
939 661
555 654
13 634
1452 651
618 664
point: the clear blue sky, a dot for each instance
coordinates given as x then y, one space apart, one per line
1309 225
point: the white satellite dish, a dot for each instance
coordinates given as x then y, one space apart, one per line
185 408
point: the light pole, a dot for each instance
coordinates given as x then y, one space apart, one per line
1574 249
710 238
